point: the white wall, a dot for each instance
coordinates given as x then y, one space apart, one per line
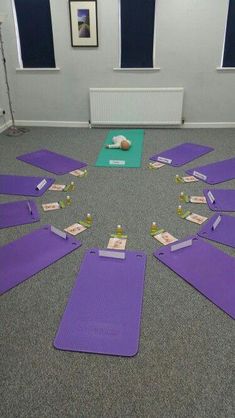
3 88
188 50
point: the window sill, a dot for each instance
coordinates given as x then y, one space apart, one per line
137 69
20 70
225 69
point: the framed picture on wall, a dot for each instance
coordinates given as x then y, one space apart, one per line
83 21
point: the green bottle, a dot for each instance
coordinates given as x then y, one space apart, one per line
153 229
68 200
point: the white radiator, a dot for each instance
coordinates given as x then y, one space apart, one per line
136 106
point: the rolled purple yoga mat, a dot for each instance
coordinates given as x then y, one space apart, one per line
24 185
215 172
51 161
103 313
181 154
205 267
30 254
220 228
18 213
220 199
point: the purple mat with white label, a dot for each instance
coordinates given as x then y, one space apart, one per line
215 172
51 161
18 213
181 154
30 254
206 268
24 185
220 199
103 313
223 232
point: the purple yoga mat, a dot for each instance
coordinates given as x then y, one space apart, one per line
26 256
103 313
224 199
216 172
182 154
23 185
51 161
18 213
208 269
224 233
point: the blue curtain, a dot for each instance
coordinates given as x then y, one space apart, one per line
35 31
137 31
229 47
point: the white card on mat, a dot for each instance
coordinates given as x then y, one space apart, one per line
199 175
58 232
41 184
180 245
112 254
216 223
164 160
117 162
211 196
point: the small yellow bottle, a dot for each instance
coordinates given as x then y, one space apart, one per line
180 210
177 178
119 230
153 229
89 219
68 200
182 197
72 186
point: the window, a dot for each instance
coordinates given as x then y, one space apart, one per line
229 42
137 33
34 33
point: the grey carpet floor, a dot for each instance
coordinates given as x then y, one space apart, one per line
184 367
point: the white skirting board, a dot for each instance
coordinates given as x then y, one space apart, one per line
202 125
72 124
5 126
53 123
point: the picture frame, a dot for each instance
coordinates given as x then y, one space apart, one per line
83 23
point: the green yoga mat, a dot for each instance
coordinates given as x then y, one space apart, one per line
119 158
